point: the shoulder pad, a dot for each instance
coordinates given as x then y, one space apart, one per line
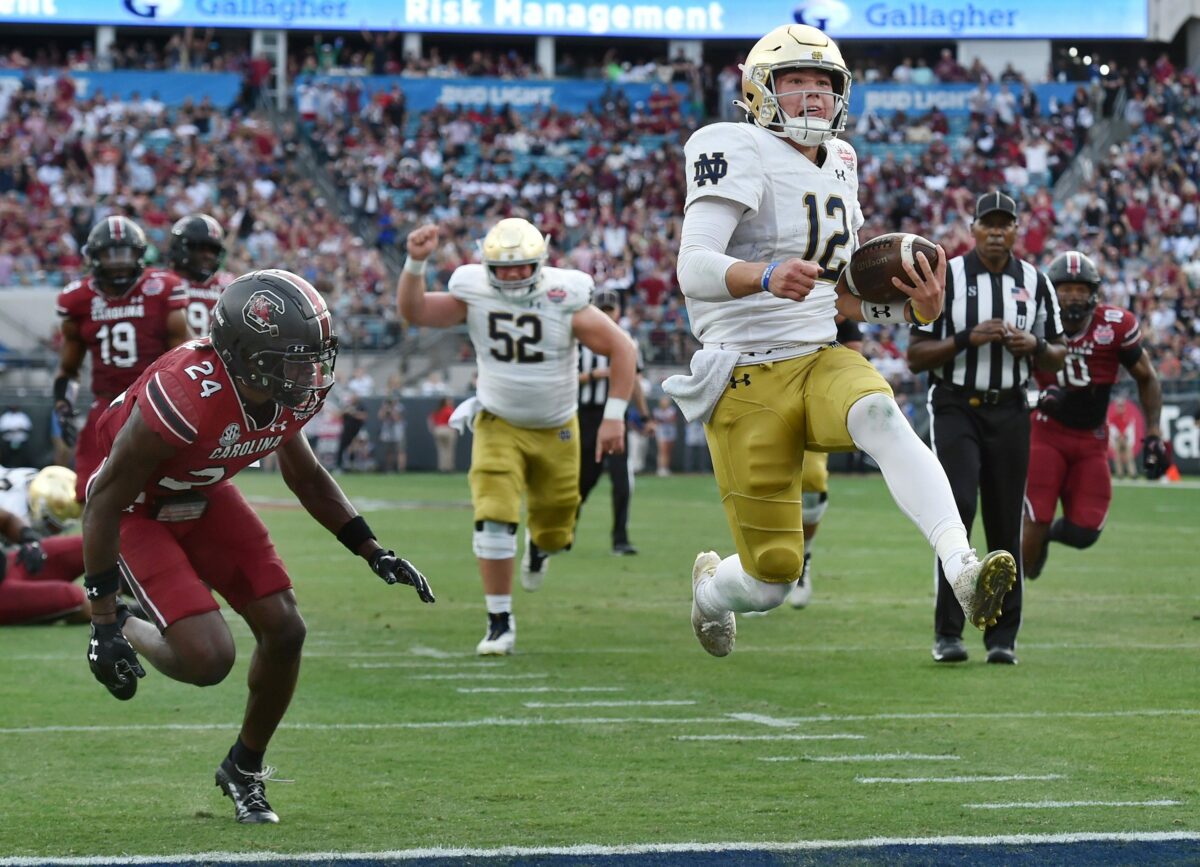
469 282
570 289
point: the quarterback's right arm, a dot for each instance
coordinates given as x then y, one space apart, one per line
416 307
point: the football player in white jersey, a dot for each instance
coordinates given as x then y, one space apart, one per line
36 576
771 218
524 319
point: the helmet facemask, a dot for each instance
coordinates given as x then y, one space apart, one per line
1077 312
298 378
195 264
117 269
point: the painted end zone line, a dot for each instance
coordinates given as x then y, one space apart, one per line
594 851
1055 805
833 737
999 778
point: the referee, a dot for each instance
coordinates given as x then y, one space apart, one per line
1000 319
593 392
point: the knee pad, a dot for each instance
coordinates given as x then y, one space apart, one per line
1072 535
815 505
494 540
778 565
553 541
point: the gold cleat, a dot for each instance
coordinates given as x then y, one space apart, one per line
982 585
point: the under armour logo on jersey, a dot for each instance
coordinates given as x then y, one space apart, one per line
710 168
841 174
735 381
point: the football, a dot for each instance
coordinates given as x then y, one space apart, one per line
874 264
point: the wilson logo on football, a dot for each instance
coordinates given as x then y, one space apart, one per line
263 307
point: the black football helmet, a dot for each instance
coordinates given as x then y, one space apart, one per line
1074 267
197 248
274 332
116 254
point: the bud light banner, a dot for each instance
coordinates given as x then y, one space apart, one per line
169 88
660 19
422 94
954 100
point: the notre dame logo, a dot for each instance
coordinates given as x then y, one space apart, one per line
710 169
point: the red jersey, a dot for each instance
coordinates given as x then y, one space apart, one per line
202 298
188 398
1095 355
123 333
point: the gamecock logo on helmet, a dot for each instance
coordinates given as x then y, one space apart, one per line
261 309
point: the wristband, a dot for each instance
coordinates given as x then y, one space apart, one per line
354 532
415 266
918 319
1040 348
61 386
614 408
962 340
882 314
103 583
766 277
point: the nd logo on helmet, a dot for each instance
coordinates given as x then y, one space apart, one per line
822 14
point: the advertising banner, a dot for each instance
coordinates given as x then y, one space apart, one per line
662 19
170 88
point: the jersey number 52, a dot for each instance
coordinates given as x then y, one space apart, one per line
517 346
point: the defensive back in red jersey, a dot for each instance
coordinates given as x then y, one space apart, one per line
1095 356
188 398
123 334
202 297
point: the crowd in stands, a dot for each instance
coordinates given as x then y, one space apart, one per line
605 184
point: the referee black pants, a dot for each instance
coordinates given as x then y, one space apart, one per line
590 470
985 452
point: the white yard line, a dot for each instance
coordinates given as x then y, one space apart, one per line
779 737
885 757
528 689
486 722
483 675
983 778
426 666
790 722
1058 805
664 703
581 851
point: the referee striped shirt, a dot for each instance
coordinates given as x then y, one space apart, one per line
1020 295
594 393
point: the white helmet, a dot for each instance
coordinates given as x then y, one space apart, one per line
51 498
514 242
790 47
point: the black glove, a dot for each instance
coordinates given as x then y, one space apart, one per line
1051 399
397 570
113 660
66 421
30 554
1156 456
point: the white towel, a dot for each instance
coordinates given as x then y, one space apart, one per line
697 393
463 417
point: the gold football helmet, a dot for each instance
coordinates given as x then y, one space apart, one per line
52 500
789 47
514 241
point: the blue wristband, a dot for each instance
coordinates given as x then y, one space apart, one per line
766 277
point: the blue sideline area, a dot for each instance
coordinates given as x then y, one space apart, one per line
1094 853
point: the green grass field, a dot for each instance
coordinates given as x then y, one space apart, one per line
400 737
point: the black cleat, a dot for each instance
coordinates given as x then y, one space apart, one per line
949 650
1002 656
248 791
623 549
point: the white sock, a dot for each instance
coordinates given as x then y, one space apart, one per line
913 474
498 603
733 589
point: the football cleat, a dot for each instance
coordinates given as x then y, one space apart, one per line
800 595
946 649
248 791
1002 656
981 585
501 636
623 549
533 565
716 636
